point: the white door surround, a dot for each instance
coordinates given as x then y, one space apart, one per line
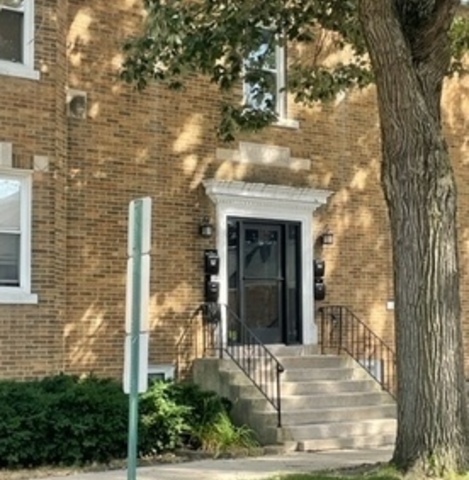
269 202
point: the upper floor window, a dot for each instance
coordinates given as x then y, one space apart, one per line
265 77
15 237
17 38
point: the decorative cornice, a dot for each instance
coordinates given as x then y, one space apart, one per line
285 197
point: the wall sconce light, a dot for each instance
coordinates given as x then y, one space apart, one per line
206 228
327 237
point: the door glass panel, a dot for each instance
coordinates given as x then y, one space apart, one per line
264 279
261 253
262 305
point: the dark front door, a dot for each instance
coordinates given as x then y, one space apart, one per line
264 277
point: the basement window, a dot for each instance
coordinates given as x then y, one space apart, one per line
17 38
160 372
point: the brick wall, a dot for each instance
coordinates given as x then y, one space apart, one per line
32 119
164 145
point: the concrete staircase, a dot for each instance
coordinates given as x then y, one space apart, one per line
328 402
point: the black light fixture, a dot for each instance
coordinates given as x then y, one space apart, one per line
327 237
206 228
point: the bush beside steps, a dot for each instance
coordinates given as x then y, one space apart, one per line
71 420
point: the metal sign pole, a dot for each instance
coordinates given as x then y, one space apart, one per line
135 342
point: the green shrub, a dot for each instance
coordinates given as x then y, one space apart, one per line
176 414
62 420
163 421
205 405
220 435
89 423
24 416
65 419
207 419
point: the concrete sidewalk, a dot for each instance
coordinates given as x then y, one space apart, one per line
245 468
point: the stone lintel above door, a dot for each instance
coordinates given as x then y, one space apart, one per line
261 154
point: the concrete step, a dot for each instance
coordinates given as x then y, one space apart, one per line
338 430
328 402
347 399
316 361
351 443
328 386
309 402
323 415
293 350
279 350
313 374
245 388
295 362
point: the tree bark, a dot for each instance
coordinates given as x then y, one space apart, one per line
408 48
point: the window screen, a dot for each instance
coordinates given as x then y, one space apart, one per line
10 232
11 35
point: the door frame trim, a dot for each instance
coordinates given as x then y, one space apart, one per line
269 202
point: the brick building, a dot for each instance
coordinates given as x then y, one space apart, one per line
77 144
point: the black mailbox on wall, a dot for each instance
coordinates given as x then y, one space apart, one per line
211 262
212 291
319 270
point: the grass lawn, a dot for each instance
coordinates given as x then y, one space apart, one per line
337 476
364 472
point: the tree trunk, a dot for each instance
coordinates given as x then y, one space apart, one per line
409 62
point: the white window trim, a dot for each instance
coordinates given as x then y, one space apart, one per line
270 202
282 95
281 105
21 294
25 69
280 57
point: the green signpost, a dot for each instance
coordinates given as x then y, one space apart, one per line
135 368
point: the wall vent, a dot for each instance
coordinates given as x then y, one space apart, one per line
77 104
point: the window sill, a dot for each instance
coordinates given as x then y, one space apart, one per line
18 70
18 297
287 123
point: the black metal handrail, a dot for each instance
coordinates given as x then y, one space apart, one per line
233 338
342 331
188 341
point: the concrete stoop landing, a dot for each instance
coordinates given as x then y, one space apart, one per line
328 402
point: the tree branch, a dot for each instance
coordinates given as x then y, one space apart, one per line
425 25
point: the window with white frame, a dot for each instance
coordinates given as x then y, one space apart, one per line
15 237
265 75
17 38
